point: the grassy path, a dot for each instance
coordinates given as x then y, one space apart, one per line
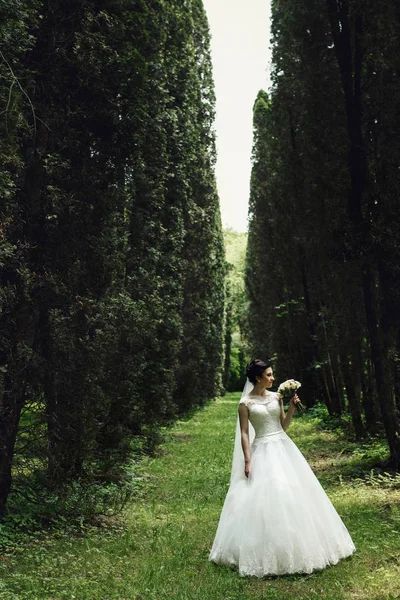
162 552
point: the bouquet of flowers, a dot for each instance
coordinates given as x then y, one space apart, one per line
288 389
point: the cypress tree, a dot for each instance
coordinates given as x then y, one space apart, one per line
112 253
325 158
199 374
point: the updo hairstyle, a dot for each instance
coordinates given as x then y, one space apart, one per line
256 369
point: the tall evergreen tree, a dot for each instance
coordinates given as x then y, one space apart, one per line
201 357
322 151
112 245
16 276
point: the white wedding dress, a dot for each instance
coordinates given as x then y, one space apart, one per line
280 520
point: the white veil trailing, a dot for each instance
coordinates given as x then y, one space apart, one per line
238 457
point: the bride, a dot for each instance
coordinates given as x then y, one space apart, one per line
276 518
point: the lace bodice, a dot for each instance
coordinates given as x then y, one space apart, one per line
264 414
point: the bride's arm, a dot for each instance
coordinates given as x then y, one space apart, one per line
244 430
285 419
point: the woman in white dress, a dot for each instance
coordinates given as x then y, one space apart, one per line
277 518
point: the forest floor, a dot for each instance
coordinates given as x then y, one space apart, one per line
159 548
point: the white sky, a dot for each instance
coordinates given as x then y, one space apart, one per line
241 56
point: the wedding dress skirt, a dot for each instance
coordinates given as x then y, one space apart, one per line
279 520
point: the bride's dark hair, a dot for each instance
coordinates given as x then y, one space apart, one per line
256 368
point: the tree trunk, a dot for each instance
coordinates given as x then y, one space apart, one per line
65 397
351 371
383 373
336 377
16 361
351 71
369 397
396 372
312 378
10 412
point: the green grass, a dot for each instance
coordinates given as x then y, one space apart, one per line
160 551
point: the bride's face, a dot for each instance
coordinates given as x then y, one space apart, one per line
267 378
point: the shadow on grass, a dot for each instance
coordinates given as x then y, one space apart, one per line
334 456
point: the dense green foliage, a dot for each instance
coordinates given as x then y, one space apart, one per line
111 248
323 280
236 353
160 550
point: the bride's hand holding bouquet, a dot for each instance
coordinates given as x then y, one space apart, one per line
288 391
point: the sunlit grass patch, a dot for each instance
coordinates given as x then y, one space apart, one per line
161 552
